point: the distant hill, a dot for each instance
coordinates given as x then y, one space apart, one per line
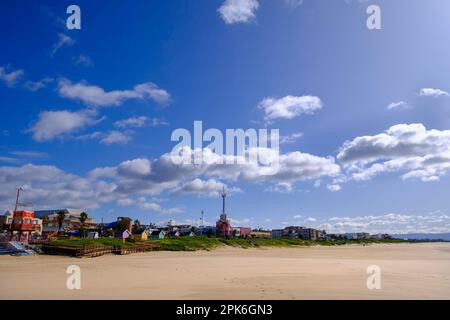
420 236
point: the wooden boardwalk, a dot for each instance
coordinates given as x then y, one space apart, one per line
90 251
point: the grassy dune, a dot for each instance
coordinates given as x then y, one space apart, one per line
205 243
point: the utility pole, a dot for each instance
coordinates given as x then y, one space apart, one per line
17 198
202 224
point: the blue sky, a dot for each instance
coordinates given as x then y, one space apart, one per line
87 115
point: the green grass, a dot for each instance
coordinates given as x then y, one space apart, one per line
97 242
205 243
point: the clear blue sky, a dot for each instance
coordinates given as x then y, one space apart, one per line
109 96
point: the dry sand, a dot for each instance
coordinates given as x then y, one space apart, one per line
409 271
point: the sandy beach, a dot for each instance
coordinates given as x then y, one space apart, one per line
408 271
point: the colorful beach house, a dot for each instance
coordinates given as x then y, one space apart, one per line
158 235
140 235
187 234
174 234
122 234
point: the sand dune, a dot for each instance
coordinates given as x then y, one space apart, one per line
409 271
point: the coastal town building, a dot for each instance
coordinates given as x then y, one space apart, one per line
20 224
50 223
223 226
140 235
158 235
261 234
277 233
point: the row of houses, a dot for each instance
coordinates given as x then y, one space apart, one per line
48 222
299 233
315 234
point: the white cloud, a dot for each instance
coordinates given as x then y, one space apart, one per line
435 93
97 97
240 222
10 78
154 206
139 122
161 174
83 60
48 186
398 105
115 137
393 223
56 124
410 148
334 187
293 3
238 11
37 85
289 107
204 188
291 138
9 159
63 40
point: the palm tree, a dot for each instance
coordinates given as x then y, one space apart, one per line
83 217
136 225
61 216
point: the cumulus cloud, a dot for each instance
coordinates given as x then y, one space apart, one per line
145 204
96 96
289 107
115 137
393 223
48 186
57 124
10 78
409 148
431 92
204 188
238 11
159 175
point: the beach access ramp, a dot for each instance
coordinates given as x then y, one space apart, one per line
19 248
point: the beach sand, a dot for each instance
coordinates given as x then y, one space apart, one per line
408 271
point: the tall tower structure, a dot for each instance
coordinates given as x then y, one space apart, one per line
224 196
223 226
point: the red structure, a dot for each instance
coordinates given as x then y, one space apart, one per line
223 226
22 224
245 232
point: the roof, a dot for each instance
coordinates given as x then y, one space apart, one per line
122 232
46 213
140 231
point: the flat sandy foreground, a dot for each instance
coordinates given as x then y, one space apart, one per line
408 271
